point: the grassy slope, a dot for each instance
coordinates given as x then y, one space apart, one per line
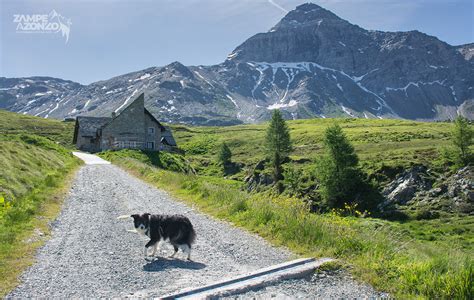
35 169
378 142
431 258
60 132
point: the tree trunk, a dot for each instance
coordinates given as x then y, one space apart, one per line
277 172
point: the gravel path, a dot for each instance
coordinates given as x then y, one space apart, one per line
321 285
91 253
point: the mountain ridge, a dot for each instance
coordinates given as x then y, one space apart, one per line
310 64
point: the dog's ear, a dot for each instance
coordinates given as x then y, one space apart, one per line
134 216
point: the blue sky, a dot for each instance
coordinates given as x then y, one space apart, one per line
113 37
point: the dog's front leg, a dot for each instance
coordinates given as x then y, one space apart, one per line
175 251
155 248
150 243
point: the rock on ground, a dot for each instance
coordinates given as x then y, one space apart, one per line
419 186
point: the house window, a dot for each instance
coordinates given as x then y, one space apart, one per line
127 145
150 145
151 130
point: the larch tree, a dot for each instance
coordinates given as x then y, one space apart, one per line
462 137
337 171
277 145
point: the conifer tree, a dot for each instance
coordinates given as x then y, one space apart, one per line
225 155
337 171
462 136
277 144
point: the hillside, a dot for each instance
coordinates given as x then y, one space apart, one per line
12 124
379 143
390 152
35 167
311 64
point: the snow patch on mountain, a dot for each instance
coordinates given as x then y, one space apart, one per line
233 101
347 111
282 105
145 76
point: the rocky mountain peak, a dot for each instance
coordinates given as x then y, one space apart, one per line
308 6
304 34
304 15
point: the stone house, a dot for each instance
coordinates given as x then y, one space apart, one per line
134 128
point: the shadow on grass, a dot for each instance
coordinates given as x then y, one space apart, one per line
159 264
231 168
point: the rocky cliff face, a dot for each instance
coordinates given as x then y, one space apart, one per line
311 64
419 187
409 74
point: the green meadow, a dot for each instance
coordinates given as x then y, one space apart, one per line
380 144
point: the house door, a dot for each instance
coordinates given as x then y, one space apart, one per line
150 145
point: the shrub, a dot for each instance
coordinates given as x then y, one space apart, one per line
462 136
426 214
225 155
292 180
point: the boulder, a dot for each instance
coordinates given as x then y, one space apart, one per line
414 187
258 177
406 185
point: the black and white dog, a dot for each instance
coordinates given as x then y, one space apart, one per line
175 229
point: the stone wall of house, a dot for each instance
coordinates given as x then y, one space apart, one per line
87 144
128 126
84 143
152 137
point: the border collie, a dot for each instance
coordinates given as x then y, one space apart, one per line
175 229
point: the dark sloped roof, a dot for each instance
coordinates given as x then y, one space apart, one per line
164 141
167 137
88 126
